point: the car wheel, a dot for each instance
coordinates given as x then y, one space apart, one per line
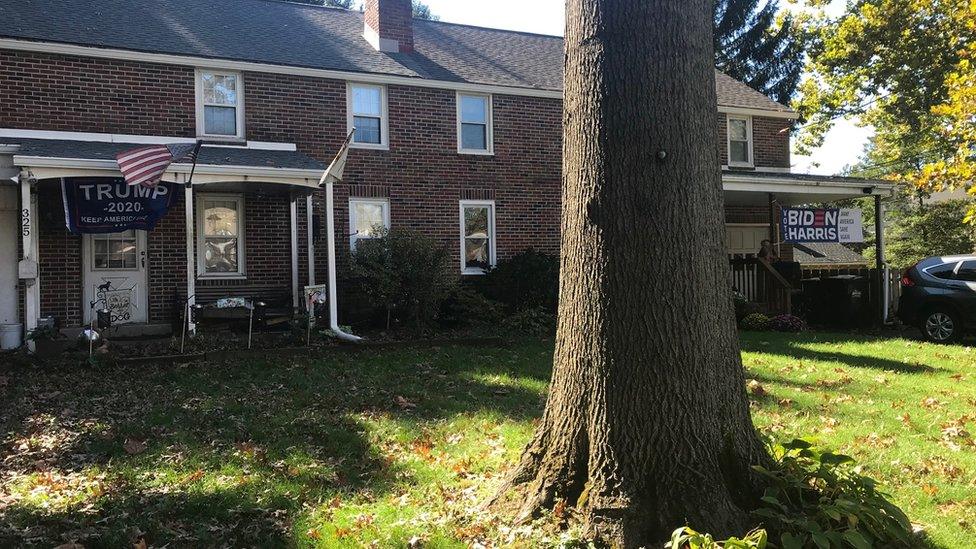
940 326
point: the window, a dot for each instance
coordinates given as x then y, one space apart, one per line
220 230
220 104
740 141
946 271
368 218
474 124
114 251
967 271
477 236
368 115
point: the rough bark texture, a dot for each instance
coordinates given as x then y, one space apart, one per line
647 426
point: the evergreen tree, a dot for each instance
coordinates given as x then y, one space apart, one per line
755 46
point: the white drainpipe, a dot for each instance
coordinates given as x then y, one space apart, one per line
333 304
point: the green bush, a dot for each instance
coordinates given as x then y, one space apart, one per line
756 322
525 281
465 307
406 274
686 538
537 321
815 499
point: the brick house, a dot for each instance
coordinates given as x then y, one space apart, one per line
452 122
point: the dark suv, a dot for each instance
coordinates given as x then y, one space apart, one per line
939 296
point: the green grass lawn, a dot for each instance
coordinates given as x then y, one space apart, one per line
385 447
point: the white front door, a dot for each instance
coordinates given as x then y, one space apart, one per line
9 237
115 276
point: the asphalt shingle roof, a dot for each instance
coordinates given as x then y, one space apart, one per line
826 253
300 35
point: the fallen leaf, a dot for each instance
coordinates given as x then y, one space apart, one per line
313 533
404 404
930 489
756 388
134 447
141 544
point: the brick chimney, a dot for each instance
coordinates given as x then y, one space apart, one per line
389 25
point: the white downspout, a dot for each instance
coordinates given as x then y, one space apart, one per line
333 305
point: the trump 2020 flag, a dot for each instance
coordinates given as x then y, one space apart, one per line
146 165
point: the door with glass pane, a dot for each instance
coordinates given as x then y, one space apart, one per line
115 276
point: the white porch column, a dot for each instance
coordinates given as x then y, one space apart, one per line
191 269
28 268
310 218
296 299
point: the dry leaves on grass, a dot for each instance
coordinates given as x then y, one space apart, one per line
134 447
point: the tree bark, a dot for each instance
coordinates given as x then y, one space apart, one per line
647 425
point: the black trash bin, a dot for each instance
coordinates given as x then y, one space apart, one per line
837 301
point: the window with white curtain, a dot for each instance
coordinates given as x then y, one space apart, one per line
740 140
220 110
368 218
220 236
477 236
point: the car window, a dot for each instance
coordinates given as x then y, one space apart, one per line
945 271
967 271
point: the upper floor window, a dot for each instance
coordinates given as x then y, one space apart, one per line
740 141
477 236
367 107
220 104
220 235
368 218
474 124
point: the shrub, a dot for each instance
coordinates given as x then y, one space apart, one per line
465 307
787 323
686 538
537 321
405 273
756 322
816 499
525 281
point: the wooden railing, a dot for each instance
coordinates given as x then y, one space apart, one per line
763 284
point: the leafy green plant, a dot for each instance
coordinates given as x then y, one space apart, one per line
755 322
537 321
525 281
686 538
466 307
816 499
406 273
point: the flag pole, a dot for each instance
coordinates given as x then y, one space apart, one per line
193 168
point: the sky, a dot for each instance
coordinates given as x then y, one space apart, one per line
844 143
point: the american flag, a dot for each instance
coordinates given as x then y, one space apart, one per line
146 165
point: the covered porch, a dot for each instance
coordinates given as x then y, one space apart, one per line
754 202
245 228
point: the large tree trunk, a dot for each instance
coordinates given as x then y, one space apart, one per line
647 426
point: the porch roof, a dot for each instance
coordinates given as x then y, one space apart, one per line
53 158
789 189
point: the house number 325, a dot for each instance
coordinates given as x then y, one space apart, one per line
25 218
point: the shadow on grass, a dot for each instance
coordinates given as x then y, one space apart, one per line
296 429
793 346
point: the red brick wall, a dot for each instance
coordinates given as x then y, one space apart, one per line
56 92
770 147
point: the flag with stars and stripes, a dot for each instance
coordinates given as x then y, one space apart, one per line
146 165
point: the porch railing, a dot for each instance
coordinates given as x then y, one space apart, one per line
762 284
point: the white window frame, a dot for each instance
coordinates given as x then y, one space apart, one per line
749 140
384 143
492 236
354 238
201 110
201 213
489 124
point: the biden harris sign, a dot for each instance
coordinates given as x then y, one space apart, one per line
100 205
803 225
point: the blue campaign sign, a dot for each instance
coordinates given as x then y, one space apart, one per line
821 225
104 205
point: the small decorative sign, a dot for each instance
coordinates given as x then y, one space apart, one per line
105 205
119 305
811 225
